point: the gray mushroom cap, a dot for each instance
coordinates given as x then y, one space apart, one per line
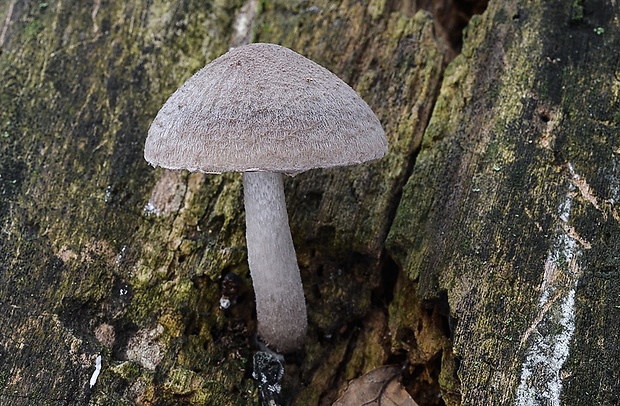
263 107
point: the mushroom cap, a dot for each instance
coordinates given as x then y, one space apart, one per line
263 107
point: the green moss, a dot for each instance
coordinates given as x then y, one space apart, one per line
448 378
208 389
182 382
472 27
376 8
128 370
32 29
576 10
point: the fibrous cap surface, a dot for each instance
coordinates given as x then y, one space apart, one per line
263 107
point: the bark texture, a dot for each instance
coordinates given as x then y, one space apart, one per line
512 207
499 284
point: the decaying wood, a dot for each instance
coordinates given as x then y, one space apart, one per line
499 281
511 209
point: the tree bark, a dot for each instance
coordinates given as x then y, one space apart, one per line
511 210
491 276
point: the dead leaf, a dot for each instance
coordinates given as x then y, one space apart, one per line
379 387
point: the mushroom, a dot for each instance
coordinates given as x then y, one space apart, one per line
265 110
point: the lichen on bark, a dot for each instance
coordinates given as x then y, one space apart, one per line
497 193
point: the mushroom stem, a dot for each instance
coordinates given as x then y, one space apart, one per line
280 302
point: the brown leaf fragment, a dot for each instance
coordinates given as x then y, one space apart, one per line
379 387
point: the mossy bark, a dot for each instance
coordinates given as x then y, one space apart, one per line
101 254
511 210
